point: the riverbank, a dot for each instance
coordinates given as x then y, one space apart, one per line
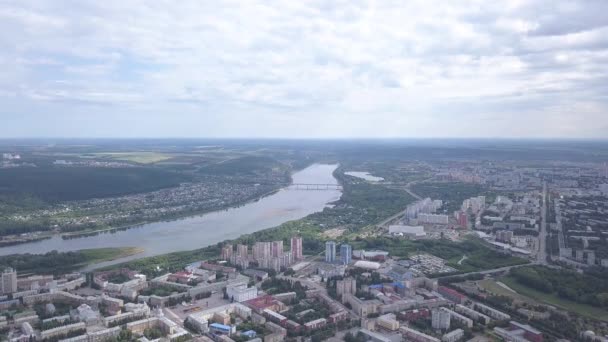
55 262
108 254
360 205
171 218
193 232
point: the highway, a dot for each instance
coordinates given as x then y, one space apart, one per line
492 271
408 189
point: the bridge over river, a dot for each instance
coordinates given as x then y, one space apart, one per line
315 186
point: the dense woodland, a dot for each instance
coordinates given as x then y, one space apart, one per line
587 288
49 263
56 184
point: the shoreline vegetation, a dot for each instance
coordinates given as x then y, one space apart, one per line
169 218
57 262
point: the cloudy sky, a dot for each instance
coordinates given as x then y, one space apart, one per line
269 68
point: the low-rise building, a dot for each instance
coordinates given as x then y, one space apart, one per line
416 336
388 322
455 316
62 331
453 336
240 292
472 314
451 294
317 323
493 313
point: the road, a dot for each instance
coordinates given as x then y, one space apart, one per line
408 189
492 271
541 256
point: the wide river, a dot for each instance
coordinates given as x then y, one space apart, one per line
203 230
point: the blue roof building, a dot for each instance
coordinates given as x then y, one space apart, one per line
249 333
217 328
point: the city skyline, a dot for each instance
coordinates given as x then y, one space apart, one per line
364 69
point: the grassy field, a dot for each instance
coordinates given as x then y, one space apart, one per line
106 254
493 287
60 262
580 309
137 157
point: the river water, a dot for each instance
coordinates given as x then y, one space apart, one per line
200 231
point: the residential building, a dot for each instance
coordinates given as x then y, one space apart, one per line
346 286
275 328
463 219
373 336
453 336
346 253
416 336
493 313
274 317
529 333
262 250
451 294
433 218
388 322
242 251
474 315
362 307
62 330
317 323
455 316
277 249
330 251
440 319
510 336
9 281
296 248
227 252
504 236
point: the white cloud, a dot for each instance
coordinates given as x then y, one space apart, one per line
352 68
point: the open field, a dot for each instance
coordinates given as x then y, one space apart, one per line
107 254
58 262
551 299
136 157
493 287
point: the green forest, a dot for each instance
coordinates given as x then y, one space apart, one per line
56 184
587 288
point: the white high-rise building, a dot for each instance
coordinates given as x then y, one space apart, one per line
440 319
9 281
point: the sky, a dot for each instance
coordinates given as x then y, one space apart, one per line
304 69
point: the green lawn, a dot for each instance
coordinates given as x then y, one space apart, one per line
137 157
492 287
106 254
551 299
